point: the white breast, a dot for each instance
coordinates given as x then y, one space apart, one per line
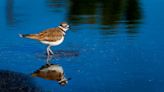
52 68
53 43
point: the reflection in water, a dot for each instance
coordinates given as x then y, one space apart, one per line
54 71
56 5
51 72
83 11
108 13
60 54
10 12
16 82
133 15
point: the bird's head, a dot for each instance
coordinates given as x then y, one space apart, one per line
64 26
64 81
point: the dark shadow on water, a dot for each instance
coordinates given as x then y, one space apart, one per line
55 5
11 81
10 12
51 71
109 14
59 54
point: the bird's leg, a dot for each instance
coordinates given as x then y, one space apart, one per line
48 60
49 51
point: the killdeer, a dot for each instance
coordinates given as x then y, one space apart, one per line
52 72
50 37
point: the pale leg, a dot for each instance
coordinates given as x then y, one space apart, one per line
49 51
48 60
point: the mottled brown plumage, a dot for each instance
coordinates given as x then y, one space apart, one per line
51 35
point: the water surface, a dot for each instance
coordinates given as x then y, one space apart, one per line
112 46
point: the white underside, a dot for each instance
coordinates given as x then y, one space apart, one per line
53 67
53 43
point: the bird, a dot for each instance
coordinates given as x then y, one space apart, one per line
52 72
51 36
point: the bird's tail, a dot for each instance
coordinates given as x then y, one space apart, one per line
31 36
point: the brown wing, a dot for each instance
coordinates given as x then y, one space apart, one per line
52 34
49 74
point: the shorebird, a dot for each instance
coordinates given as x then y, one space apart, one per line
52 72
50 37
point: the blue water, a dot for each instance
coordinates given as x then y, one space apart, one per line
112 46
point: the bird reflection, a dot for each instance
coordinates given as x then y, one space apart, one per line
51 72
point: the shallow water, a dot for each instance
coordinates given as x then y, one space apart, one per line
112 46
